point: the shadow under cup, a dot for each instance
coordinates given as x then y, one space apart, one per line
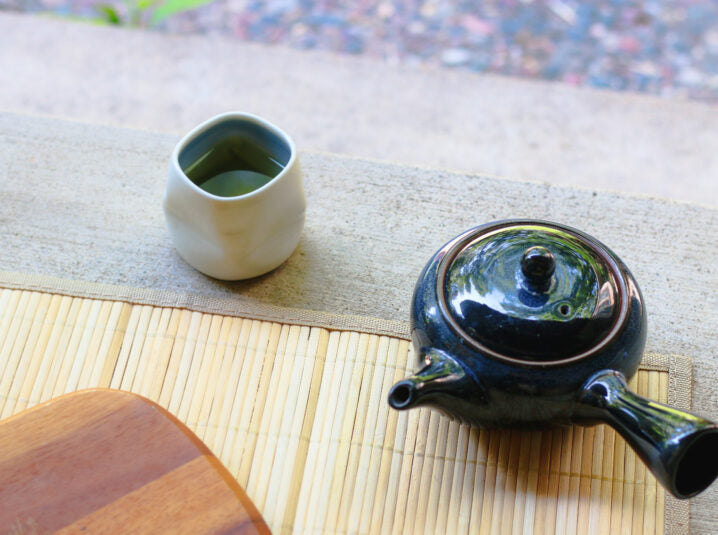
234 157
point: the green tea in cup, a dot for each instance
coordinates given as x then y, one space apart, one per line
233 165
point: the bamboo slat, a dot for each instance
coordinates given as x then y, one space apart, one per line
299 416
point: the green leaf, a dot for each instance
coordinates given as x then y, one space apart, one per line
108 13
142 5
172 7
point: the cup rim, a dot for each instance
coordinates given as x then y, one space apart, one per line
209 123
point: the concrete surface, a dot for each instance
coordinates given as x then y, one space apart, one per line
432 117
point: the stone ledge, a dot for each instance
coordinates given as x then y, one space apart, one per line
352 105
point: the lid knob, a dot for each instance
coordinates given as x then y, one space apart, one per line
538 265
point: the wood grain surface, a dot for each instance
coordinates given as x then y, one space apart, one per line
104 461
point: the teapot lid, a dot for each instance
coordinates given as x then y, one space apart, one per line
531 291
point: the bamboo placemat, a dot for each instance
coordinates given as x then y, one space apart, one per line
299 415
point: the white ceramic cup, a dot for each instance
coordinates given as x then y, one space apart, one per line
233 238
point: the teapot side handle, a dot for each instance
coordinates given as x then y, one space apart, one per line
678 447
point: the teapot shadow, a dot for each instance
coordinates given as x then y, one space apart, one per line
555 464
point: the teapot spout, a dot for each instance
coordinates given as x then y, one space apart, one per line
441 377
678 447
405 394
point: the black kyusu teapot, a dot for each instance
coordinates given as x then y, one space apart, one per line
527 323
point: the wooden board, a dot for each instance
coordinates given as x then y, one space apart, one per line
103 461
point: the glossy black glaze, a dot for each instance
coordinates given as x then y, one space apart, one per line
521 391
493 356
538 264
677 446
529 291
